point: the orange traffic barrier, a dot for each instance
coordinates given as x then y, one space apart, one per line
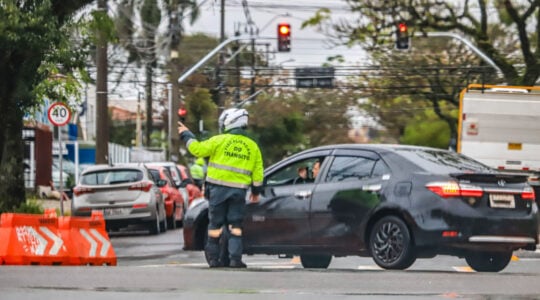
31 240
87 240
27 239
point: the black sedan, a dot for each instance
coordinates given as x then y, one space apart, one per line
394 203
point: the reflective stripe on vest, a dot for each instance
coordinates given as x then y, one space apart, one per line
229 168
227 183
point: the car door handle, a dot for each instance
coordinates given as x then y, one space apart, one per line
302 194
372 188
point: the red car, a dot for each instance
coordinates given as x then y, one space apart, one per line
174 202
192 189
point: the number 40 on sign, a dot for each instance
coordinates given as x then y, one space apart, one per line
59 114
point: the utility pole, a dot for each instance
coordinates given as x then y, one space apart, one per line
237 65
138 126
174 87
102 113
221 60
253 60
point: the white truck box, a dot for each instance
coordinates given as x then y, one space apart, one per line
500 126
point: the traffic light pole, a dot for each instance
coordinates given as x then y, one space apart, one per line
208 56
483 56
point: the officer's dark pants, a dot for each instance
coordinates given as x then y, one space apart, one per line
226 212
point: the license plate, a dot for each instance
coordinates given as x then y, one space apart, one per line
502 201
114 211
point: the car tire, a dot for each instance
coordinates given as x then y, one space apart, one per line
172 220
163 225
488 261
390 244
315 261
154 226
180 223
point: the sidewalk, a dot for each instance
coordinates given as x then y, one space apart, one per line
55 203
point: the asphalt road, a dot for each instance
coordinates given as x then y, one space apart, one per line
155 267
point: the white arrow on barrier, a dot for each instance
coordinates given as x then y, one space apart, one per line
105 244
93 244
32 241
37 244
58 242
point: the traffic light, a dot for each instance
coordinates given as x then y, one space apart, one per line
402 37
284 37
182 112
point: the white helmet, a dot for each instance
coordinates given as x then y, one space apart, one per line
233 118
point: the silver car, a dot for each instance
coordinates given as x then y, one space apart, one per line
125 194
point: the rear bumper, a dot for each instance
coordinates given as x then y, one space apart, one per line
135 216
450 230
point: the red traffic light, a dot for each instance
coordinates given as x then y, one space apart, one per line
182 112
402 27
284 29
402 37
284 37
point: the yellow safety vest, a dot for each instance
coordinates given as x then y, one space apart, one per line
235 160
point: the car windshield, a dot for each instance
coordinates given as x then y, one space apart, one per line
104 177
443 161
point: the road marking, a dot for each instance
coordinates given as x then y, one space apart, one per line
369 267
464 269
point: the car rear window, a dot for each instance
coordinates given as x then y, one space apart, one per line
442 161
112 177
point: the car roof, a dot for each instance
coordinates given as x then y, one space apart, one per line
379 147
115 167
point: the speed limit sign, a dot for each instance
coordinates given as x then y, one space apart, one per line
59 114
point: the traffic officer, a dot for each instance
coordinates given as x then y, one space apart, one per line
197 171
234 165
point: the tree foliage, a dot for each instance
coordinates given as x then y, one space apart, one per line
287 121
427 79
200 107
34 46
506 31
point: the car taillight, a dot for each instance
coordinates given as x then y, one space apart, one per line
144 186
447 189
528 194
140 205
77 191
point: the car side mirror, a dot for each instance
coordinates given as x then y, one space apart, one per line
161 183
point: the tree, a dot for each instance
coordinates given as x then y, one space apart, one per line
34 45
506 31
442 66
287 121
143 41
396 93
200 107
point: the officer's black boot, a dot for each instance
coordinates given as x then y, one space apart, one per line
211 252
235 251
